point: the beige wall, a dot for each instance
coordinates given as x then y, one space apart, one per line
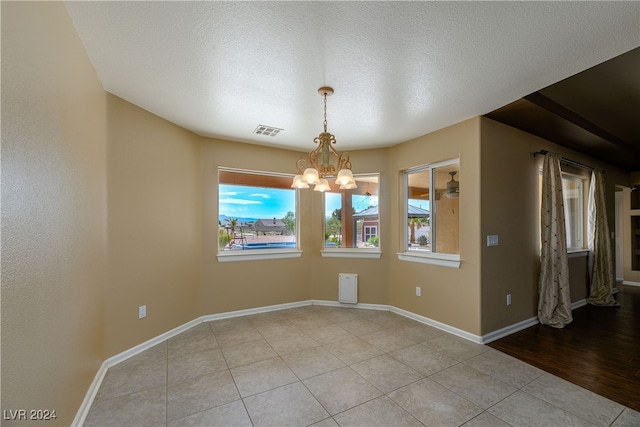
53 213
106 207
154 223
373 274
229 286
510 205
449 295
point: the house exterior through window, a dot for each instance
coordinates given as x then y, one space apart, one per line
352 219
432 208
256 212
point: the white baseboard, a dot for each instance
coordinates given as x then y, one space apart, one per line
508 330
516 327
365 306
436 324
127 354
83 411
405 313
578 304
629 283
250 311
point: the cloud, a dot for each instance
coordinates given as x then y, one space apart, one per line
263 195
229 193
232 201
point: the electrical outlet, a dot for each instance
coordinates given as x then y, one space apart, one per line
508 299
418 291
142 311
492 240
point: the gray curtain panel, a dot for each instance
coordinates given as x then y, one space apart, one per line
554 303
601 270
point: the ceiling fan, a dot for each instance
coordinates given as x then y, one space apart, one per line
453 187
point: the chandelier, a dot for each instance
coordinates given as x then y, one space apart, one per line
318 165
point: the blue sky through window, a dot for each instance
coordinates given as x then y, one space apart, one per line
239 201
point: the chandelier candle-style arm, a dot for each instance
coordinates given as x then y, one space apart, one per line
318 165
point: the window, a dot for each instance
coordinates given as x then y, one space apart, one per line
432 210
574 211
256 212
573 198
352 220
370 231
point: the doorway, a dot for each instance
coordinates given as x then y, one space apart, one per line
619 238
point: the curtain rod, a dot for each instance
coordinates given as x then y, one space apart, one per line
567 161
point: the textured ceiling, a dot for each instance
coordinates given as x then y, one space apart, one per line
399 69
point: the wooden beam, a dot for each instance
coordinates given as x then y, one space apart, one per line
562 111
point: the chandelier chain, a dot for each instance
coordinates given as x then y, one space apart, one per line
325 112
318 165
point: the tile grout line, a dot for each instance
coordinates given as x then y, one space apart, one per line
288 321
235 384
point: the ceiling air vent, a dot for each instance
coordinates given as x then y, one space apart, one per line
267 130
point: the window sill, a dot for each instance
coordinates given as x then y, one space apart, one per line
443 260
256 255
351 253
577 253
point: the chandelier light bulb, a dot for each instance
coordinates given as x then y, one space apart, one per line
322 186
344 177
311 176
298 182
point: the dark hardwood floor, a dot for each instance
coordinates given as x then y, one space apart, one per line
599 350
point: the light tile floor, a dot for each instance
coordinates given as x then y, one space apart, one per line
329 366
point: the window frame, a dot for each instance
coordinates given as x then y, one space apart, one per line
367 230
260 254
342 252
580 214
426 257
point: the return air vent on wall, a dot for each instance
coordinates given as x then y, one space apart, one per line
348 288
267 130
